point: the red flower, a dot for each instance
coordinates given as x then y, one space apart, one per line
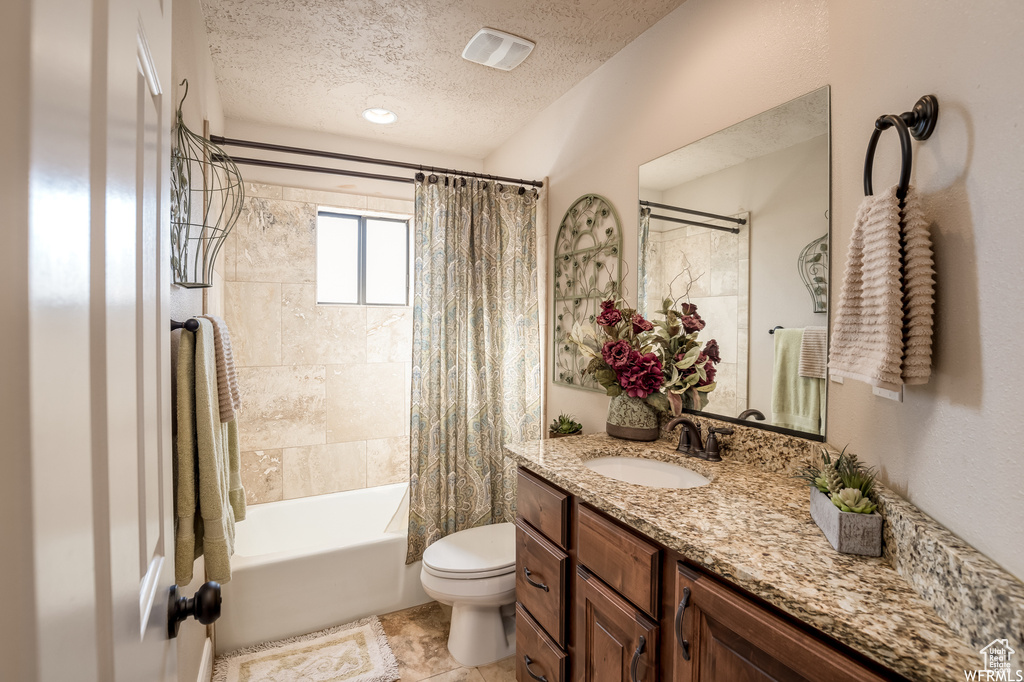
640 324
711 350
608 305
692 323
618 354
609 317
644 377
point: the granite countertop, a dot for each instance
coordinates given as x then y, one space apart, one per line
754 529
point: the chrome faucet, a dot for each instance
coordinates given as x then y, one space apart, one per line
690 443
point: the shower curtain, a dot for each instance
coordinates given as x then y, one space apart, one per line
476 380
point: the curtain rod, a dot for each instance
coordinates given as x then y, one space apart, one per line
313 169
733 230
267 146
729 219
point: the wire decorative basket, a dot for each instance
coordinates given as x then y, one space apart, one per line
207 192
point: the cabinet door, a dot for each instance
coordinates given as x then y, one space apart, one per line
615 641
720 635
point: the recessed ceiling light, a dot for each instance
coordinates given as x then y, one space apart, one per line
378 115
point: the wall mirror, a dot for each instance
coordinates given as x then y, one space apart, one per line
737 224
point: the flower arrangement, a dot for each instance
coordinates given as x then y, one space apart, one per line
844 479
661 362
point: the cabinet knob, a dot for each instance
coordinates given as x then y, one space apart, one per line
204 607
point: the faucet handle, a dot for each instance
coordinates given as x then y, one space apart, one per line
711 450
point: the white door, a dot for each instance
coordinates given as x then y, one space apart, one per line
135 338
86 526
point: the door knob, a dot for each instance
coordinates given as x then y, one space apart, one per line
204 607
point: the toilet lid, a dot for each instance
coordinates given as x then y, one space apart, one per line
487 550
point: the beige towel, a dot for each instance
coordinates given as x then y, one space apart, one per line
814 352
209 497
883 324
227 382
918 292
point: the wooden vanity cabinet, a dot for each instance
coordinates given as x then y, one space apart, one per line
642 613
720 635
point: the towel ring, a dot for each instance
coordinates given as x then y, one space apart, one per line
919 123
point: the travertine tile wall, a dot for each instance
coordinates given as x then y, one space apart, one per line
325 388
719 265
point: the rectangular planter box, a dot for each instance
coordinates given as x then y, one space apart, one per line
848 533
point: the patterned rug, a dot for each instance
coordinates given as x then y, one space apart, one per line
357 652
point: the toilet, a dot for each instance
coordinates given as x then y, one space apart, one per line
474 571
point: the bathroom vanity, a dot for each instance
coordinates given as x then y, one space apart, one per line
727 581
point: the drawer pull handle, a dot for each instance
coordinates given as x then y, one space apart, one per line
539 678
539 586
636 659
684 645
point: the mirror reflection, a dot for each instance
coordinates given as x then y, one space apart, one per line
737 225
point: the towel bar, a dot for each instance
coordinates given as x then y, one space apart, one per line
919 123
190 325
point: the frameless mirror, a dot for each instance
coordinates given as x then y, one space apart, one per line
737 224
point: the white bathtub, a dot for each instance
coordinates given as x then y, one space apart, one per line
306 564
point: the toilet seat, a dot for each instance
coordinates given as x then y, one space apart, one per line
473 554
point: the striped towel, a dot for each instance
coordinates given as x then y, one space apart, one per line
813 353
882 332
227 382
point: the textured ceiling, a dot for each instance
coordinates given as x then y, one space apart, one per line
771 131
317 64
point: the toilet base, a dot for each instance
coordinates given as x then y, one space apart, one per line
480 635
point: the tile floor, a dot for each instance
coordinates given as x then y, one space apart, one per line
419 638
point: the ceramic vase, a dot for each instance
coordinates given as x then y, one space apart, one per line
847 532
631 419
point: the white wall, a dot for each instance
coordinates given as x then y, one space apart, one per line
951 447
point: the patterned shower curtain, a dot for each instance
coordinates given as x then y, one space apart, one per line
644 264
476 380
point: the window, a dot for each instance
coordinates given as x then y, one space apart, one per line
361 260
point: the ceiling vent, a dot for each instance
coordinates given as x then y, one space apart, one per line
497 49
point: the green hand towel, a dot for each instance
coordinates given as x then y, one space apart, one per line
209 496
797 401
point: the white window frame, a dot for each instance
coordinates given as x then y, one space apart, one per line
362 217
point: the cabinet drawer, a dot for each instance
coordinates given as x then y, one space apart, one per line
620 558
533 648
546 508
541 576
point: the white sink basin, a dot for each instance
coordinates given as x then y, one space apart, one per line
648 472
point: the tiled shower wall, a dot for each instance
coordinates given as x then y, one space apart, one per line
325 388
719 263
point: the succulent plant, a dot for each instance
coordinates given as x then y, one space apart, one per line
565 423
836 474
852 500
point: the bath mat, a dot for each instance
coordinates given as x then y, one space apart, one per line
357 652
